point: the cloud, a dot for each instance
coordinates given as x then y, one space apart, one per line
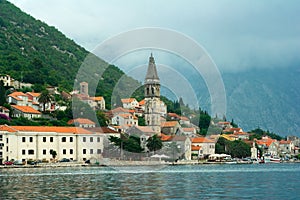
238 35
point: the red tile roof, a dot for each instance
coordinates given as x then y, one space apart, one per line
196 148
97 98
285 142
26 109
202 140
57 129
81 121
169 124
142 102
128 100
102 130
120 110
173 115
183 118
267 141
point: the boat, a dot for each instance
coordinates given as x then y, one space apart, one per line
271 159
275 160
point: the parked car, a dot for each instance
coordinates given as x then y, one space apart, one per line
19 162
8 163
65 160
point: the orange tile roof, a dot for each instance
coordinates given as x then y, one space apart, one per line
26 109
267 141
184 118
202 140
127 115
188 129
97 98
128 100
7 128
285 142
15 94
120 110
196 148
81 121
58 129
102 130
221 123
142 102
173 115
165 137
169 124
241 133
145 129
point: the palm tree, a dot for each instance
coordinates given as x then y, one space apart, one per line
154 143
45 98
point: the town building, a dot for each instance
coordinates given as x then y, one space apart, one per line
96 103
130 103
82 122
36 142
207 146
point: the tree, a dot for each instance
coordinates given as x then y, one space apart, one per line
221 145
2 94
102 119
238 149
53 153
154 143
45 98
128 143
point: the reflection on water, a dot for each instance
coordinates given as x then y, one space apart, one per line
184 182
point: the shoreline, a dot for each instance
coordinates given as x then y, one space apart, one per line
118 163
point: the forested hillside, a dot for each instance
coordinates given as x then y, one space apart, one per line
33 52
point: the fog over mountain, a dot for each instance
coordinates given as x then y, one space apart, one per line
255 45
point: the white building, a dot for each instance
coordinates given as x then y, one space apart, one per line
207 146
130 103
35 143
124 119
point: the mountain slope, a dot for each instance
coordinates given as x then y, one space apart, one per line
33 52
265 98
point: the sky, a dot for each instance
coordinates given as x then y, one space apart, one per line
238 35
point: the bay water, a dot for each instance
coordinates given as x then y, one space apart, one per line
246 181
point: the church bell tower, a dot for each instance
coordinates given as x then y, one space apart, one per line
152 97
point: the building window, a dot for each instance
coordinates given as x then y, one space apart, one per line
84 139
63 139
7 149
30 152
98 139
51 139
71 139
23 152
44 152
83 151
1 137
91 151
23 139
44 139
7 140
91 139
98 151
71 151
64 151
30 139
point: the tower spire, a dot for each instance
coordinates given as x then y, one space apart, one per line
151 75
152 97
